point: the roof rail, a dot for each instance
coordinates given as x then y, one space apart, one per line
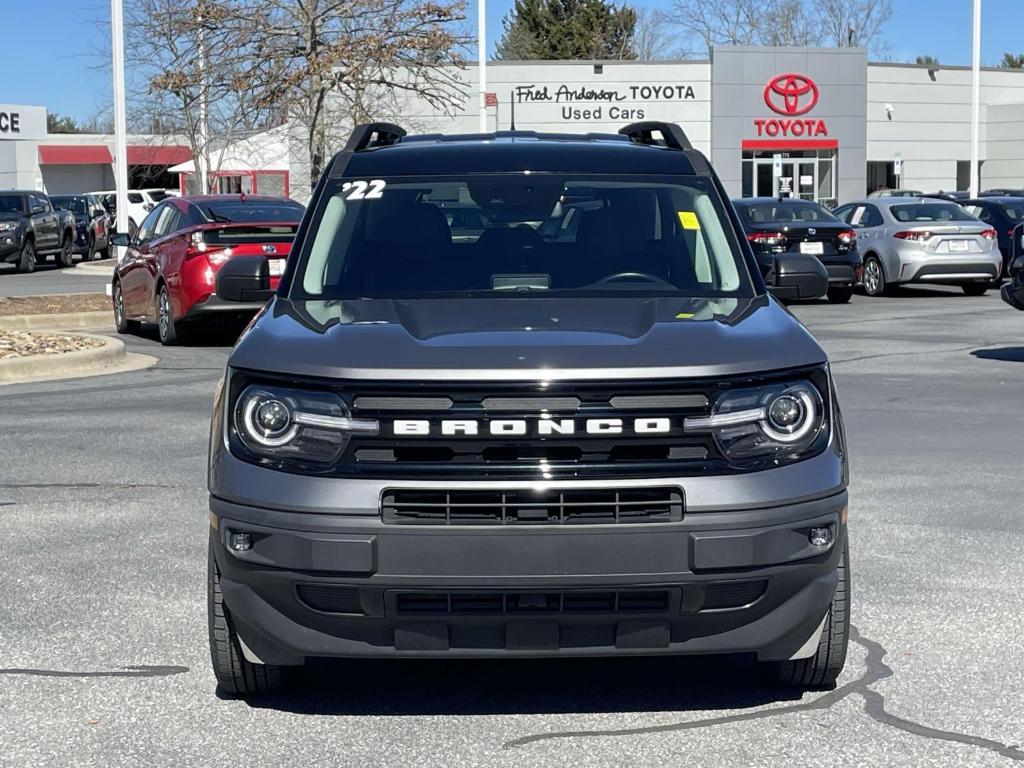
672 135
363 136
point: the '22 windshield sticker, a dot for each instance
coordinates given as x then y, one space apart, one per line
364 190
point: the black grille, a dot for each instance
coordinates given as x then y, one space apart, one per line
503 603
733 594
530 507
577 454
330 599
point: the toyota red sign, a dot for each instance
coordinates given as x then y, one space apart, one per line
791 95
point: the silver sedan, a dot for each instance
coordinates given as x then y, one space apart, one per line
920 240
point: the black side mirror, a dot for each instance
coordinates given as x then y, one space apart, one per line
798 276
38 209
244 278
120 238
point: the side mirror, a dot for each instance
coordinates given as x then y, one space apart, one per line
799 277
244 278
38 209
120 238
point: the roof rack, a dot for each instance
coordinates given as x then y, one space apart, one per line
672 135
363 136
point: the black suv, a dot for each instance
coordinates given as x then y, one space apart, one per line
579 427
32 229
1003 214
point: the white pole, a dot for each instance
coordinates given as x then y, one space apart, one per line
481 27
203 132
120 120
975 98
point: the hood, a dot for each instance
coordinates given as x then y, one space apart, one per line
525 338
11 215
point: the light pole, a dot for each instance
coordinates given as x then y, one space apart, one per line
975 97
120 120
481 33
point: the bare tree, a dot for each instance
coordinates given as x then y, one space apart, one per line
837 23
328 62
855 23
174 77
655 37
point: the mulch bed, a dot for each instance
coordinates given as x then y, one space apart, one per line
64 303
28 344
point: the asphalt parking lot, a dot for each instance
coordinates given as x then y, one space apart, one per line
49 278
103 650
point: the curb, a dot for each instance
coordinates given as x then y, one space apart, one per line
91 270
69 321
111 354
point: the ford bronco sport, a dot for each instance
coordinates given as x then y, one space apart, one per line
523 395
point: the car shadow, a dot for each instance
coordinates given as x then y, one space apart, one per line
524 686
218 332
1006 354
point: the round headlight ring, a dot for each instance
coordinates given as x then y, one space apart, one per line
798 400
262 408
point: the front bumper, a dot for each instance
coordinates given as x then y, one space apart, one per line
728 581
10 246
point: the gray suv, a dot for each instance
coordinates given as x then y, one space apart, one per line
573 423
922 240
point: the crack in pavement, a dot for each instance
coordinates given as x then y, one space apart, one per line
906 353
874 706
131 671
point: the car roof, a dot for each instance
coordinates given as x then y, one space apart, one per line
233 198
773 200
505 152
995 199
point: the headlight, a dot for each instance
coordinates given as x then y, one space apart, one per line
296 425
772 424
8 226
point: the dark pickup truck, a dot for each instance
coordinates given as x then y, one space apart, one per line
31 229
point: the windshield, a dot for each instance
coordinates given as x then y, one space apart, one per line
73 204
521 234
228 211
10 204
772 213
1014 211
912 212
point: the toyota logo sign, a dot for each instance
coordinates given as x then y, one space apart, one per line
791 94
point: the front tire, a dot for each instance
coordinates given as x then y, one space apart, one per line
874 277
27 260
822 669
121 321
840 294
975 289
234 673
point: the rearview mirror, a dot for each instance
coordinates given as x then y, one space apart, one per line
799 277
244 278
120 238
38 209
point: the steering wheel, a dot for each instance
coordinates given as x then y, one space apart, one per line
631 276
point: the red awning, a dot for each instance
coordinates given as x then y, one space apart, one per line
146 154
74 154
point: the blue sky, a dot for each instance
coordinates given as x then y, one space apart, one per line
57 44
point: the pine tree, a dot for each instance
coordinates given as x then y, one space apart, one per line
567 29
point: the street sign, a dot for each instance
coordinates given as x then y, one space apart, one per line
490 99
897 166
776 165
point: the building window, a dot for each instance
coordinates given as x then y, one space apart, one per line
963 174
808 174
881 175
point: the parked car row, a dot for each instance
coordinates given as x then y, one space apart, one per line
32 229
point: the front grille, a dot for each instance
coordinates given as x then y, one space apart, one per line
530 507
330 599
504 603
531 453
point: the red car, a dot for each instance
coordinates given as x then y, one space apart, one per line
167 273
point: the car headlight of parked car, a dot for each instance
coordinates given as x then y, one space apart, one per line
287 425
8 226
770 424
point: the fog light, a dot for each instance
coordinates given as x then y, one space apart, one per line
240 542
820 537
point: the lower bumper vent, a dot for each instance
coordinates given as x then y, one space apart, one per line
504 603
330 599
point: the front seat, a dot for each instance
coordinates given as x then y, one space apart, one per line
414 243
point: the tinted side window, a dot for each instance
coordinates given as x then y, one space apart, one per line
134 198
148 227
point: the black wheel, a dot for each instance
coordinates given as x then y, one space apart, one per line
27 261
235 673
975 289
840 294
170 332
66 257
121 321
822 669
874 277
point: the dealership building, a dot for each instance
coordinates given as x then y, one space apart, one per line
825 123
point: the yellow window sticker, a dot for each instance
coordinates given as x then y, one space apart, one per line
688 219
685 316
